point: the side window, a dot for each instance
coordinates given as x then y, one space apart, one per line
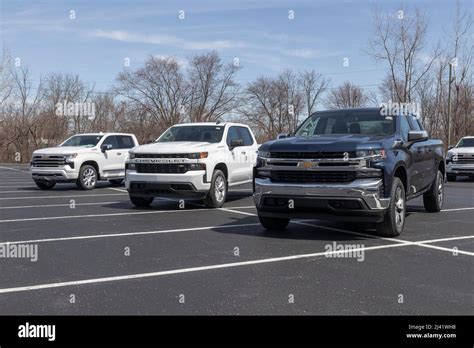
112 140
245 135
125 142
414 123
404 127
232 134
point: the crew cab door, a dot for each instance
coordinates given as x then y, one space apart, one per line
414 152
112 159
125 143
425 156
236 161
248 152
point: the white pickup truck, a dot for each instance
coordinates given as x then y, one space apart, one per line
83 159
460 159
199 160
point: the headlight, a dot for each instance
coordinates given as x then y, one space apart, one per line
369 153
264 154
198 155
70 157
450 154
131 155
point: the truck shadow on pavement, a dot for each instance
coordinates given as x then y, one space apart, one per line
296 231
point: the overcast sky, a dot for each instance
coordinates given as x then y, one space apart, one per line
260 33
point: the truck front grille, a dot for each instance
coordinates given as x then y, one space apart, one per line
161 168
303 176
311 155
48 161
161 155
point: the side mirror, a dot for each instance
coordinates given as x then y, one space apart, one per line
236 142
417 136
283 135
397 144
450 147
105 147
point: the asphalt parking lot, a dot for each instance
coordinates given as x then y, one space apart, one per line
97 254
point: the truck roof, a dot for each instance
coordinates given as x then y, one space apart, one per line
209 124
100 133
350 109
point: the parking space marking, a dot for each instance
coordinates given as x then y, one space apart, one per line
457 209
18 170
201 268
189 270
65 196
126 234
57 205
113 214
117 189
2 186
401 241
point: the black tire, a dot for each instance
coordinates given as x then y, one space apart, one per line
44 185
141 201
273 224
433 199
116 182
394 219
88 177
218 192
450 177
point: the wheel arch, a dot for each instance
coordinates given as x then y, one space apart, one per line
93 164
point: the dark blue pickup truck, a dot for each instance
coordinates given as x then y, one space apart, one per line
351 164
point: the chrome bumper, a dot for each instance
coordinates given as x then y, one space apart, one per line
365 190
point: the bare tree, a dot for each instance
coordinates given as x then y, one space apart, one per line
399 41
313 86
5 76
273 105
158 88
346 95
212 91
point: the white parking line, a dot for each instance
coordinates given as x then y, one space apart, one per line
68 196
457 209
18 170
15 191
117 189
57 205
185 270
126 234
193 269
112 214
31 186
401 241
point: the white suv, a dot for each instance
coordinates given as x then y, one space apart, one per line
199 160
460 159
83 159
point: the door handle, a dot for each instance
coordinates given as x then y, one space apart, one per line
119 153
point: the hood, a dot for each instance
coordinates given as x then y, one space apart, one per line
329 143
459 150
63 150
175 147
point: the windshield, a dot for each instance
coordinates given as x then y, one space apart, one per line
467 142
347 122
82 140
209 134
